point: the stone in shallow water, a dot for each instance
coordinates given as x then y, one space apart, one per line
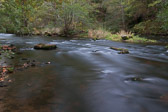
8 47
3 84
122 50
135 79
166 47
45 46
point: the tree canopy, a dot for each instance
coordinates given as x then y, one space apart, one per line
140 16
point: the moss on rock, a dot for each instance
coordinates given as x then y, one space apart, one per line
45 46
122 50
10 69
167 47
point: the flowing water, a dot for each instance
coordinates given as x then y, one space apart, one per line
87 76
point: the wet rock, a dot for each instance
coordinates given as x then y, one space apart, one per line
117 49
25 65
48 63
164 98
5 70
135 79
10 70
45 46
126 37
3 84
122 50
8 47
33 64
95 50
28 61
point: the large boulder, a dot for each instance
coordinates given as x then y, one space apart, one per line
45 46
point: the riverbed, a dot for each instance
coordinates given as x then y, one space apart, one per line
86 76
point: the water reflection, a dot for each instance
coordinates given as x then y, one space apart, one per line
87 76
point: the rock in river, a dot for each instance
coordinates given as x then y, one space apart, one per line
166 47
8 47
121 50
45 46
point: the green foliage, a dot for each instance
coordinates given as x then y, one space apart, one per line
163 16
17 15
134 39
73 15
154 3
149 27
8 54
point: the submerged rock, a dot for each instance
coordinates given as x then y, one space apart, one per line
8 47
45 46
166 47
135 79
3 84
10 69
122 50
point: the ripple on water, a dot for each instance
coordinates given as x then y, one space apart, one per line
5 35
29 42
55 43
26 49
144 79
107 71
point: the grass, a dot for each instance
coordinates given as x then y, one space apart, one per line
102 34
133 38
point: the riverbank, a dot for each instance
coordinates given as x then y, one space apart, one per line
121 36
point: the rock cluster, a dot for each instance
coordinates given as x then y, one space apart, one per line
8 47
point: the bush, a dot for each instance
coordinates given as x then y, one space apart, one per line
149 27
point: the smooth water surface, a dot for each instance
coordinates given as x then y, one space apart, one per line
88 76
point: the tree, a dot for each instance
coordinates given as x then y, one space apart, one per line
19 14
163 15
73 14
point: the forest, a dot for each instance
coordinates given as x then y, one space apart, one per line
83 55
97 18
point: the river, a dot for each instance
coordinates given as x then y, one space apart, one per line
87 76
